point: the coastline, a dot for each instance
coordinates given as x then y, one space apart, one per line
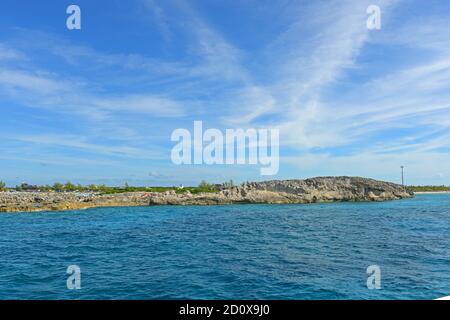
314 190
431 192
52 201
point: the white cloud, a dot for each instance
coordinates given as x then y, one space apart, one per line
292 83
420 167
7 53
36 83
160 19
157 106
79 142
306 63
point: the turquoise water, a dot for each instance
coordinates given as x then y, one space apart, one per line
317 251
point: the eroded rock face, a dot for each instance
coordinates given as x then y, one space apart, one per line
323 189
43 201
335 189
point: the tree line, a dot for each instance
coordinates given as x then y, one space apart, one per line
104 189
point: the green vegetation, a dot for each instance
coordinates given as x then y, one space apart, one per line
203 187
103 189
428 188
58 187
110 190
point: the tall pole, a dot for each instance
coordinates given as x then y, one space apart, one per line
403 181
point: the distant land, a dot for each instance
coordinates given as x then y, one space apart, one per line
429 188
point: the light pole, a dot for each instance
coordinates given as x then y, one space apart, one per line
403 181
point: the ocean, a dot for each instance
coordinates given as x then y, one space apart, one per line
313 251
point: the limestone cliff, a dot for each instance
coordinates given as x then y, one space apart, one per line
323 189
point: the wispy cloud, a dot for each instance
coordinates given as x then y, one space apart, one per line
161 19
78 142
341 95
7 53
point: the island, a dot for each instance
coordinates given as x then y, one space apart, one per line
314 190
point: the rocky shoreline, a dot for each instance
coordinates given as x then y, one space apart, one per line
322 189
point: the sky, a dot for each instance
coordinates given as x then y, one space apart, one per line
99 104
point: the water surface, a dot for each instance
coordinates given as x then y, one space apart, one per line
316 251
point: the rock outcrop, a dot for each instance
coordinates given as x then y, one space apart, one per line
55 201
323 189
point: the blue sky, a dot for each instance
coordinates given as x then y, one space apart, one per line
98 105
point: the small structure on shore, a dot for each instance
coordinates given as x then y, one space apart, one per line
29 188
219 186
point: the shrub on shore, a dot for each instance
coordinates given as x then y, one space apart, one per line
104 189
3 186
57 187
205 187
68 186
428 188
